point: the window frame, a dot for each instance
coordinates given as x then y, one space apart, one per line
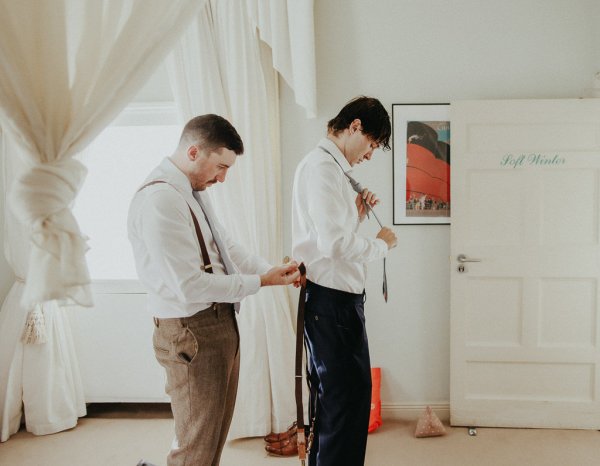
159 113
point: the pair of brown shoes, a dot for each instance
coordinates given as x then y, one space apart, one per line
283 443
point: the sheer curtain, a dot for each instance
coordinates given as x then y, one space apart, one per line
67 67
43 378
221 66
287 26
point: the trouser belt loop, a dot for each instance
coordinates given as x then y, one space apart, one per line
222 310
155 322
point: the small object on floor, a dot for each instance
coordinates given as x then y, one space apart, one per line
285 447
473 431
144 463
375 416
276 437
429 425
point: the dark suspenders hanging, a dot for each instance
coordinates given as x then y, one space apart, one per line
205 258
304 443
299 353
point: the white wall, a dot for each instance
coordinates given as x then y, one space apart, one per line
418 51
595 18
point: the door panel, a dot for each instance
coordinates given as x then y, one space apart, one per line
524 320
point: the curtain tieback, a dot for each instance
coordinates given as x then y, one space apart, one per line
34 332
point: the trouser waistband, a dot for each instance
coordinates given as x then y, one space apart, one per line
216 309
320 290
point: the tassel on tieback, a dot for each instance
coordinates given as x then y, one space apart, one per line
34 332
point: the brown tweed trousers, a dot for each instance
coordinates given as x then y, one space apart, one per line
200 355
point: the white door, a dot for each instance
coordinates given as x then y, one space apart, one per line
525 321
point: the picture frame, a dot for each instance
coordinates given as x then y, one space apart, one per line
421 164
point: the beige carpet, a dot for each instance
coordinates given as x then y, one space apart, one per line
112 436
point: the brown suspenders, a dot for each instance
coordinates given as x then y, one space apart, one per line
304 443
203 250
299 352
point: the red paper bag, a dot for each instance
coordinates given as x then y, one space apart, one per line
375 417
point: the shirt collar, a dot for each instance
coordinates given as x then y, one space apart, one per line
173 175
337 153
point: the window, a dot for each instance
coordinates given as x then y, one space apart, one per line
118 161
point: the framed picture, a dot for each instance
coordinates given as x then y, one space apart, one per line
421 163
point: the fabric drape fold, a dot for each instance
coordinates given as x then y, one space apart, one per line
67 68
287 26
43 381
221 66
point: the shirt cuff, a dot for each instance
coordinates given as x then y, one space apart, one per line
382 245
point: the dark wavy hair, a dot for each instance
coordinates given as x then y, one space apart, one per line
373 116
212 132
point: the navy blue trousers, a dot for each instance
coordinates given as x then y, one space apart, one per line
339 375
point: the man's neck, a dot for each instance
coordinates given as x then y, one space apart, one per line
339 142
179 163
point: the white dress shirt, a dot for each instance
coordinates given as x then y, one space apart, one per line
167 252
325 222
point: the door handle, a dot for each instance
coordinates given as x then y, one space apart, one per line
462 259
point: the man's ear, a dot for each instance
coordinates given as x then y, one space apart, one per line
355 125
192 153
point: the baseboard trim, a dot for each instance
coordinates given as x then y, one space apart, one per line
411 412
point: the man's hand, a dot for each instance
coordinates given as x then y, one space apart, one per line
370 198
281 275
387 235
298 282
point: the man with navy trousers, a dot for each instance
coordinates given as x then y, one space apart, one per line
326 215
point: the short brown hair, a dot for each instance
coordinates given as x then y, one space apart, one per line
212 132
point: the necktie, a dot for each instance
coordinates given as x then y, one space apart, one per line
356 186
210 216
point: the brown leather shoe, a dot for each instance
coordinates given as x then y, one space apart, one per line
286 447
273 437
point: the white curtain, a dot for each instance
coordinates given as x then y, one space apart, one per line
67 68
220 66
42 378
288 27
